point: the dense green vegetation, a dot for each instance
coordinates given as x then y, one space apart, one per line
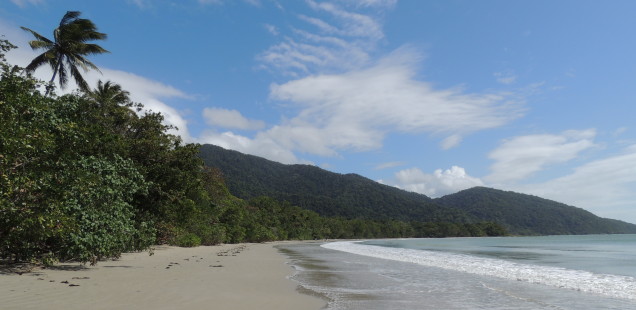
352 196
327 193
76 182
529 215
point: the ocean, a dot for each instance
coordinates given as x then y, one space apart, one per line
548 272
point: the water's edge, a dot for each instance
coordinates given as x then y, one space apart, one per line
352 281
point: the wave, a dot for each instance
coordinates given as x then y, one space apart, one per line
609 285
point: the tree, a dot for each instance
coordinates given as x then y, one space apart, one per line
67 50
108 94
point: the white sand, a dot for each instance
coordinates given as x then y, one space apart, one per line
253 278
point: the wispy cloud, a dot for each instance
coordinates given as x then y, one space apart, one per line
521 157
355 110
352 24
336 39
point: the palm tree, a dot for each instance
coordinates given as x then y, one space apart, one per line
68 49
108 94
111 107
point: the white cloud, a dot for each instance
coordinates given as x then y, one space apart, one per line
522 156
230 119
604 187
355 110
24 3
259 146
352 24
439 183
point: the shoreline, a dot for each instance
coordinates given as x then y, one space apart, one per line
231 276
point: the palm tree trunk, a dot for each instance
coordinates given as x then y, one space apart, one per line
49 87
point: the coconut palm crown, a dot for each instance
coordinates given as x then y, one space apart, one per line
67 51
108 93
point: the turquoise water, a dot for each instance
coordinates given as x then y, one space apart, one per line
553 272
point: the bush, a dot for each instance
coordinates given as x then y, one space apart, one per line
188 240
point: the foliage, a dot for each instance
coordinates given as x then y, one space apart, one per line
83 179
328 194
188 240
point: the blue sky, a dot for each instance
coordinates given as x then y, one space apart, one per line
431 96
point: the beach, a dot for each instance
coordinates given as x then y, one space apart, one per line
233 276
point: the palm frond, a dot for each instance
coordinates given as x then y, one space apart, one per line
90 49
69 17
85 63
38 44
37 36
37 62
79 80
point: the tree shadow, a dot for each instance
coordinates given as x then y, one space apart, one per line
8 267
68 267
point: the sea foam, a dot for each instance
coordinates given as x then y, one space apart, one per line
603 284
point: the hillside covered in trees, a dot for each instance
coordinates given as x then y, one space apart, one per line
329 194
526 214
353 196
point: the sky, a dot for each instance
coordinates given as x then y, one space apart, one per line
436 96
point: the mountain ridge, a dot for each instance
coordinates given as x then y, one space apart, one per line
524 214
355 196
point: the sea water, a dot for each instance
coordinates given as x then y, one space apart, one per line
551 272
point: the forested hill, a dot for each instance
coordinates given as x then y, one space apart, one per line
527 214
353 196
328 193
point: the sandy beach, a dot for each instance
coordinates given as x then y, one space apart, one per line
235 276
